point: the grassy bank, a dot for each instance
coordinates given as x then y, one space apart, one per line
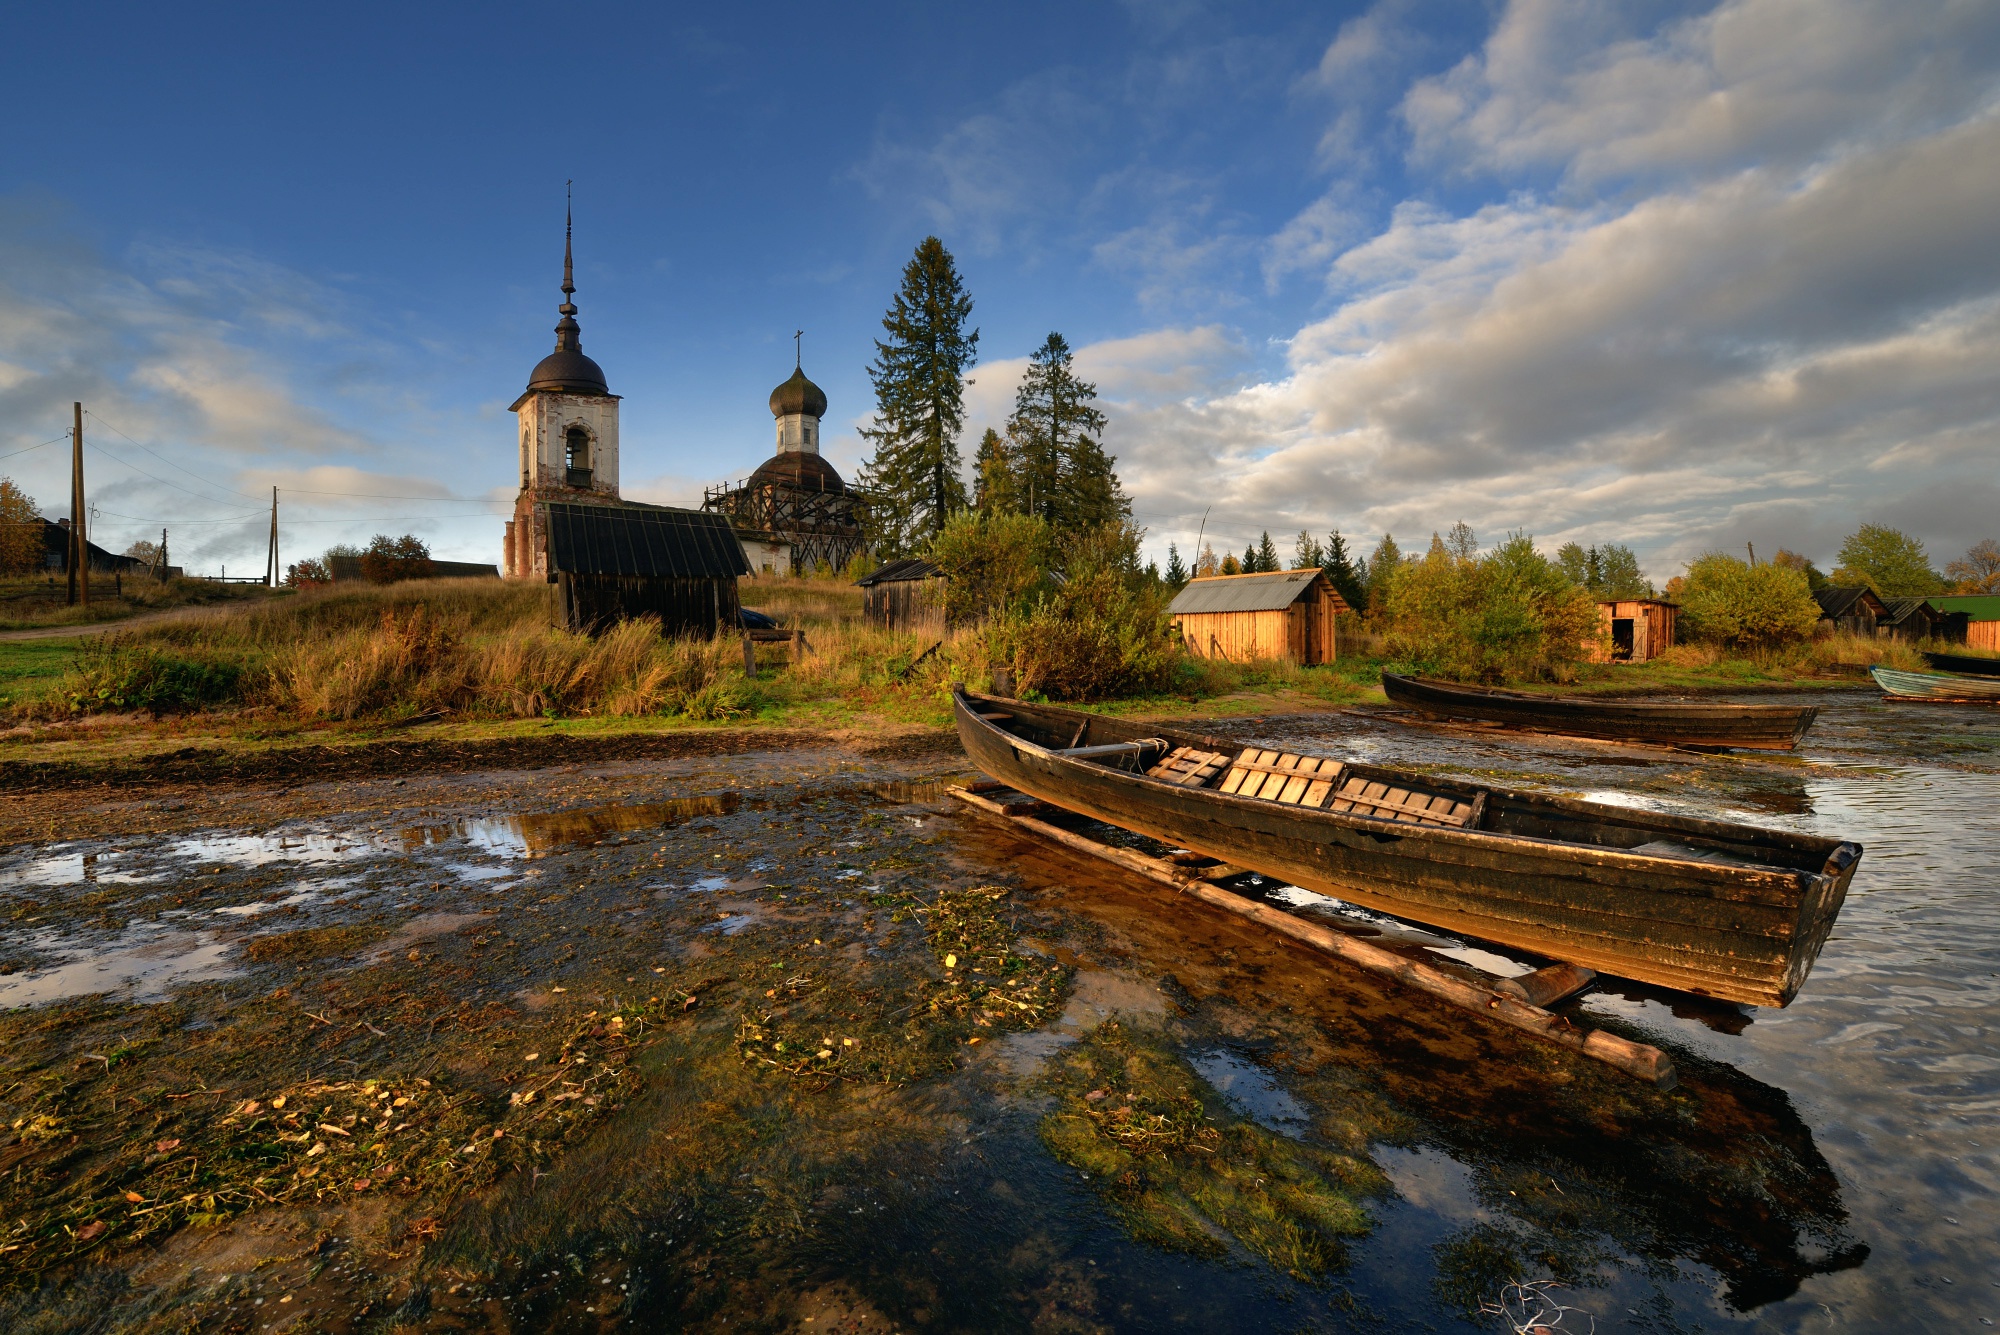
32 603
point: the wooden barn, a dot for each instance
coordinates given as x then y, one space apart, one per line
1283 614
1982 617
905 596
1635 629
1857 611
611 563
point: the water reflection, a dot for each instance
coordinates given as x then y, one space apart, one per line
528 835
145 960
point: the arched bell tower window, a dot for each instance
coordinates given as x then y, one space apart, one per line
576 457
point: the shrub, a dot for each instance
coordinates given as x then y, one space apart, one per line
1730 602
408 661
1509 614
991 562
115 675
1100 635
387 560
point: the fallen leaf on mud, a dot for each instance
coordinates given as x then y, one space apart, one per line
533 1056
91 1230
278 1102
135 1198
318 1148
558 989
330 1130
166 1146
362 1184
310 1171
1096 1094
950 961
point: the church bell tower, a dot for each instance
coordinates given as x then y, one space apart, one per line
568 435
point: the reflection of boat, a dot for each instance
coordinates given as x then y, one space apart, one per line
1964 663
1936 686
1725 910
1677 723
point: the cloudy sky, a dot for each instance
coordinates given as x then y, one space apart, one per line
1678 276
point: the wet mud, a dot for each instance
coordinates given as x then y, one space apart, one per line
778 1038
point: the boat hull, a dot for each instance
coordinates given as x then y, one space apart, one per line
1936 686
1690 723
1966 664
1553 881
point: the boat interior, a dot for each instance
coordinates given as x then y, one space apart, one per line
1368 792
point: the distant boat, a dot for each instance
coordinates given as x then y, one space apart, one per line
1672 723
1964 663
1936 686
1707 906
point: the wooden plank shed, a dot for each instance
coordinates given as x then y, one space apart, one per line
1635 630
1982 615
1854 610
1282 614
904 596
611 563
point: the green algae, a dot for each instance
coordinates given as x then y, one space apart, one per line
1181 1170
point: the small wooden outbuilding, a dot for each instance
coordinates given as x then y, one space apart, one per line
1635 629
615 562
905 596
1282 614
1982 617
1857 610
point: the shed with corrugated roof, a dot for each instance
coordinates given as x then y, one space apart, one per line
1277 614
612 563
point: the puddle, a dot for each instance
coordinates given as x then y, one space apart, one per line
732 924
1483 960
1252 1091
534 834
265 906
146 959
73 869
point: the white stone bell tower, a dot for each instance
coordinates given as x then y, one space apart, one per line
568 436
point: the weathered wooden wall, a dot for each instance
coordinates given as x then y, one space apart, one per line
1652 628
1303 633
1983 635
591 603
912 606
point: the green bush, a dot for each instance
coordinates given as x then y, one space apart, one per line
992 562
1104 631
1509 614
1731 602
112 676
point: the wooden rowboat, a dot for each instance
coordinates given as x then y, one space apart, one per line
1675 723
1967 664
1724 910
1937 687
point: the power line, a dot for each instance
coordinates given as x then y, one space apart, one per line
33 448
165 460
338 519
162 481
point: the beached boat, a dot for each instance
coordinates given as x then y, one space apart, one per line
1724 910
1965 664
1937 687
1672 723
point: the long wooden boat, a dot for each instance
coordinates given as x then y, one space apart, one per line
1724 910
1675 723
1965 664
1936 686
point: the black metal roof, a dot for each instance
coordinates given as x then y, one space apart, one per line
1840 602
634 540
898 571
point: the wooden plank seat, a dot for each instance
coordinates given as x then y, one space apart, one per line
1189 766
1381 801
1278 776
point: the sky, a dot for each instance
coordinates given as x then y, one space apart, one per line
1683 277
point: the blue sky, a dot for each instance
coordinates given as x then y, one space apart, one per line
1674 275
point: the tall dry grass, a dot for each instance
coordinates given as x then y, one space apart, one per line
802 599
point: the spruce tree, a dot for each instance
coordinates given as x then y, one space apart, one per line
1306 553
1267 555
1249 565
1383 567
1177 574
993 478
913 481
1348 575
1060 471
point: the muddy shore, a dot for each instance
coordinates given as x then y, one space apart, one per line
759 1031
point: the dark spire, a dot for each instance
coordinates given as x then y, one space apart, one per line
797 365
569 335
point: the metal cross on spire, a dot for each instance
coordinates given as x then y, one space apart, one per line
569 269
797 335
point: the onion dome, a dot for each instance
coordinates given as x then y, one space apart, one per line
797 470
567 370
798 395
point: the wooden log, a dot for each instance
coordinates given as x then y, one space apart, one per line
749 657
1635 1059
1545 987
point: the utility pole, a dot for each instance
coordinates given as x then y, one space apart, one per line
271 575
79 546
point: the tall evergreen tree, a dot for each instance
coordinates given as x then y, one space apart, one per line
913 480
992 476
1348 575
1306 553
1059 468
1249 564
1267 554
1177 573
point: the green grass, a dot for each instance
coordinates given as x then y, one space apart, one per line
33 602
30 664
